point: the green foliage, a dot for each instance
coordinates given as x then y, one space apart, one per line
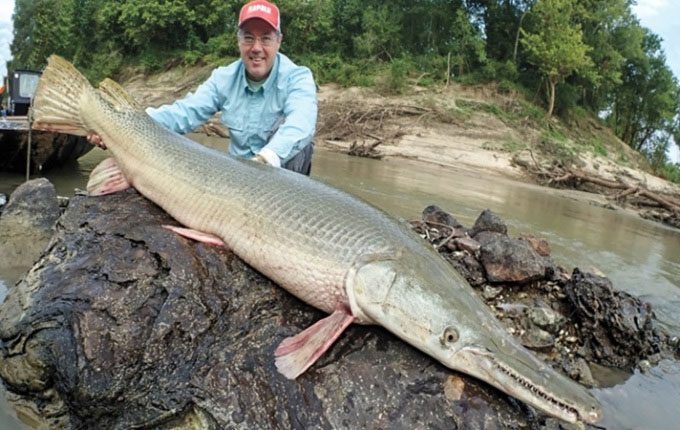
598 148
103 65
394 81
647 102
670 171
567 98
500 70
608 47
308 25
381 33
333 68
466 45
430 69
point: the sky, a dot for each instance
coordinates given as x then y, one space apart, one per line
661 16
6 9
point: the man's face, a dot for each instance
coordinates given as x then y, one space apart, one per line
258 43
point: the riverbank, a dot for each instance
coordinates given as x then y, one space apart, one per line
484 131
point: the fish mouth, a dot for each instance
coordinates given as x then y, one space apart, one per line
455 328
569 412
507 378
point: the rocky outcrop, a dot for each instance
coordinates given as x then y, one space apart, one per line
567 319
122 324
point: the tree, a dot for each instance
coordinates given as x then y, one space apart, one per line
606 28
647 103
381 32
41 28
466 44
555 44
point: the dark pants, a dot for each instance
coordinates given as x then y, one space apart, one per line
302 162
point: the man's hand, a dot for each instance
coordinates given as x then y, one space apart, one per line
259 159
267 156
96 140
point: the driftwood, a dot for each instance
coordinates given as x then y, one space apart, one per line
666 202
366 126
365 149
663 207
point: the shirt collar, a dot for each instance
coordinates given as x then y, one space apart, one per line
271 79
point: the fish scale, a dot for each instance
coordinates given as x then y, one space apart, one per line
330 232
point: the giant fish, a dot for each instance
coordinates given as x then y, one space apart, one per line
325 246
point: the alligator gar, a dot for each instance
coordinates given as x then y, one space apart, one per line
327 247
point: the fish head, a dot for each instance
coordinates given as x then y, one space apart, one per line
425 302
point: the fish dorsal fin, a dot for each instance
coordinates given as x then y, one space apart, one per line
117 96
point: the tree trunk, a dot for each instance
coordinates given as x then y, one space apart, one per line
519 29
551 102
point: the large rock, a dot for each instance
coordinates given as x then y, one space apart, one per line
27 223
619 329
511 260
122 324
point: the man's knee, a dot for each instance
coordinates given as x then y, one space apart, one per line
302 162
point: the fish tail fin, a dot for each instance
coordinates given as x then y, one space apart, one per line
57 100
112 92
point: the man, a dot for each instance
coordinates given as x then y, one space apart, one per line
267 102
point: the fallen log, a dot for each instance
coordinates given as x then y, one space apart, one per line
667 202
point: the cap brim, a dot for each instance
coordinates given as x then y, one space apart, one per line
261 19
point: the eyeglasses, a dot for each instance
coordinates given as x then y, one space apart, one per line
249 39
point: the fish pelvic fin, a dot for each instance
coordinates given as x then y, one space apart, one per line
115 94
107 178
57 99
296 354
199 236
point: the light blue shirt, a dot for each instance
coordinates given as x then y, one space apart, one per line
287 99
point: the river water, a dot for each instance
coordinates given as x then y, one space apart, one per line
639 256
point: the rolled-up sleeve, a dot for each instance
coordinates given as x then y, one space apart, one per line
185 114
300 111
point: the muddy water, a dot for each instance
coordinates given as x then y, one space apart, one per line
640 257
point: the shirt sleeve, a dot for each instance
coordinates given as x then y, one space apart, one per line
185 114
300 111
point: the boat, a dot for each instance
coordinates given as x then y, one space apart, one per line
48 150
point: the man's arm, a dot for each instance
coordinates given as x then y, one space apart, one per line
300 111
194 109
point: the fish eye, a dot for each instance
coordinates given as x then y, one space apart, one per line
450 336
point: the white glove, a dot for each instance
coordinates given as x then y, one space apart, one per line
268 156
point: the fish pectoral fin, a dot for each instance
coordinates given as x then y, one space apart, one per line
107 178
296 354
196 235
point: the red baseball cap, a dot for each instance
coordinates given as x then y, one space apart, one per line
263 10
